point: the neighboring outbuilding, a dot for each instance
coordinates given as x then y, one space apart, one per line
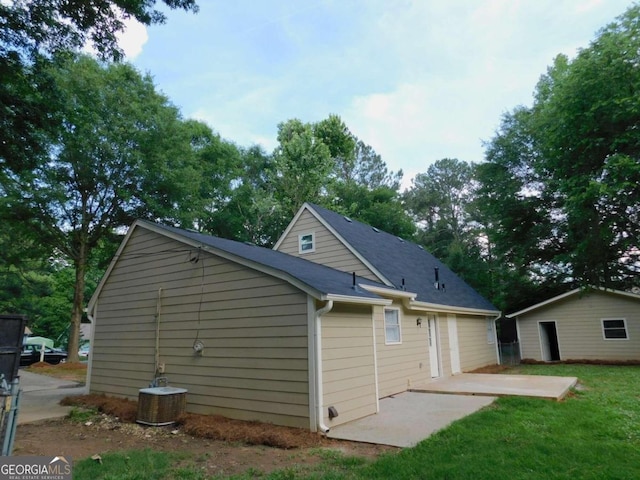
593 324
260 334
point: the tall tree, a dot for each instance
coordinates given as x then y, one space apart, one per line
562 180
31 31
302 165
441 203
119 154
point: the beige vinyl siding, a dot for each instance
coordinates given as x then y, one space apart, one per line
403 365
475 351
254 328
328 249
579 327
348 373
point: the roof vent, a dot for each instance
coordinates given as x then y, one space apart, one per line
401 240
375 229
347 219
420 247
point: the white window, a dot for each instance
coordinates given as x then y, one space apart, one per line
306 243
491 335
614 329
392 326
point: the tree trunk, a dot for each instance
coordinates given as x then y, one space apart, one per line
78 304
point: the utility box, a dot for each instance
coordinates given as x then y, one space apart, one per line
161 405
11 337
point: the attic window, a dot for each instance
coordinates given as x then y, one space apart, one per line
307 243
614 329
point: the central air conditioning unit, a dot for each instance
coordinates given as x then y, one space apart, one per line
161 405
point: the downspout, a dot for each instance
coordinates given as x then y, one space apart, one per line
495 337
318 334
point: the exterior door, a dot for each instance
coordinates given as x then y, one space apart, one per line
434 354
452 323
549 342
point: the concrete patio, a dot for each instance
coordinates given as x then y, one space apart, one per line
541 386
408 418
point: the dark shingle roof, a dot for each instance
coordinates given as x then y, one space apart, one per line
323 279
398 259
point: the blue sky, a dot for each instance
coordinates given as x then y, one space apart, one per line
417 80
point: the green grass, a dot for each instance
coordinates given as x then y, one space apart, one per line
593 434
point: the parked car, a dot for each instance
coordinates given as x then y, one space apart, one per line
83 353
31 354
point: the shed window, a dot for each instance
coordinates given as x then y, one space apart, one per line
615 329
306 243
392 326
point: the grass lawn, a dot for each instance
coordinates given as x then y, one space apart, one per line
593 434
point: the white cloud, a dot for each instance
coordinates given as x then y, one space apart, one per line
133 38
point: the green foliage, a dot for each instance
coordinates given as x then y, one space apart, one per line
440 202
134 465
560 190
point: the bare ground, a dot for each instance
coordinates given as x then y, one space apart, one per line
219 446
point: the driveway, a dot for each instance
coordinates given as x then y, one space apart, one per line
41 395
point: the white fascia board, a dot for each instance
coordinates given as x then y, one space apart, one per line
568 294
388 292
542 304
357 300
437 307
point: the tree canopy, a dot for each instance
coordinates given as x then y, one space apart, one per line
560 188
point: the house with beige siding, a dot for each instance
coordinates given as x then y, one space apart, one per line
594 324
310 334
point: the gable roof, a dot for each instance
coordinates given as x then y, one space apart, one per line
393 260
571 293
319 281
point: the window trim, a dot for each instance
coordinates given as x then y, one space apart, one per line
386 339
302 251
491 331
604 330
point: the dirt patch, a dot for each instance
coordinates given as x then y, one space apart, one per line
218 445
492 369
73 371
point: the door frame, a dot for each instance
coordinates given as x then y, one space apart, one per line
543 334
433 344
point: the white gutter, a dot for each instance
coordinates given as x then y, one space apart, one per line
318 333
495 338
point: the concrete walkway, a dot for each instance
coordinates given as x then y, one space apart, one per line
41 395
541 386
408 418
